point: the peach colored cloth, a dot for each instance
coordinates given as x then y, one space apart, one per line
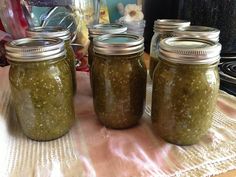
90 149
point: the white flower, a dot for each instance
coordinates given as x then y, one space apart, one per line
133 12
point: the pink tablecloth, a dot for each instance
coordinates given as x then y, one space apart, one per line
90 149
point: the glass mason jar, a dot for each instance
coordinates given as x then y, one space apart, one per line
201 32
162 29
101 29
41 87
185 89
119 80
61 33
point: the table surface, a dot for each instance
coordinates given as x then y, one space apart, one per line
89 126
227 174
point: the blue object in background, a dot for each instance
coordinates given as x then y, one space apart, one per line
112 6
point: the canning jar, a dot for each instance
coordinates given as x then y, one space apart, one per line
202 32
61 33
119 80
185 89
163 28
101 29
41 87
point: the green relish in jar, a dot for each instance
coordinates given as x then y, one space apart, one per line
119 80
41 87
185 89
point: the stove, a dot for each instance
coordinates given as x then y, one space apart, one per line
227 71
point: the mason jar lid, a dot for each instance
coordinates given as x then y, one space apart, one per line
100 29
202 32
169 24
118 44
34 49
49 32
189 50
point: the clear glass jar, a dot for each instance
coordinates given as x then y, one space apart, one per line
101 29
162 29
119 80
41 87
61 33
202 32
135 27
185 89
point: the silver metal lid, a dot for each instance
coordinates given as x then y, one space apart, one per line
189 50
118 44
161 25
49 32
202 32
34 49
100 29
